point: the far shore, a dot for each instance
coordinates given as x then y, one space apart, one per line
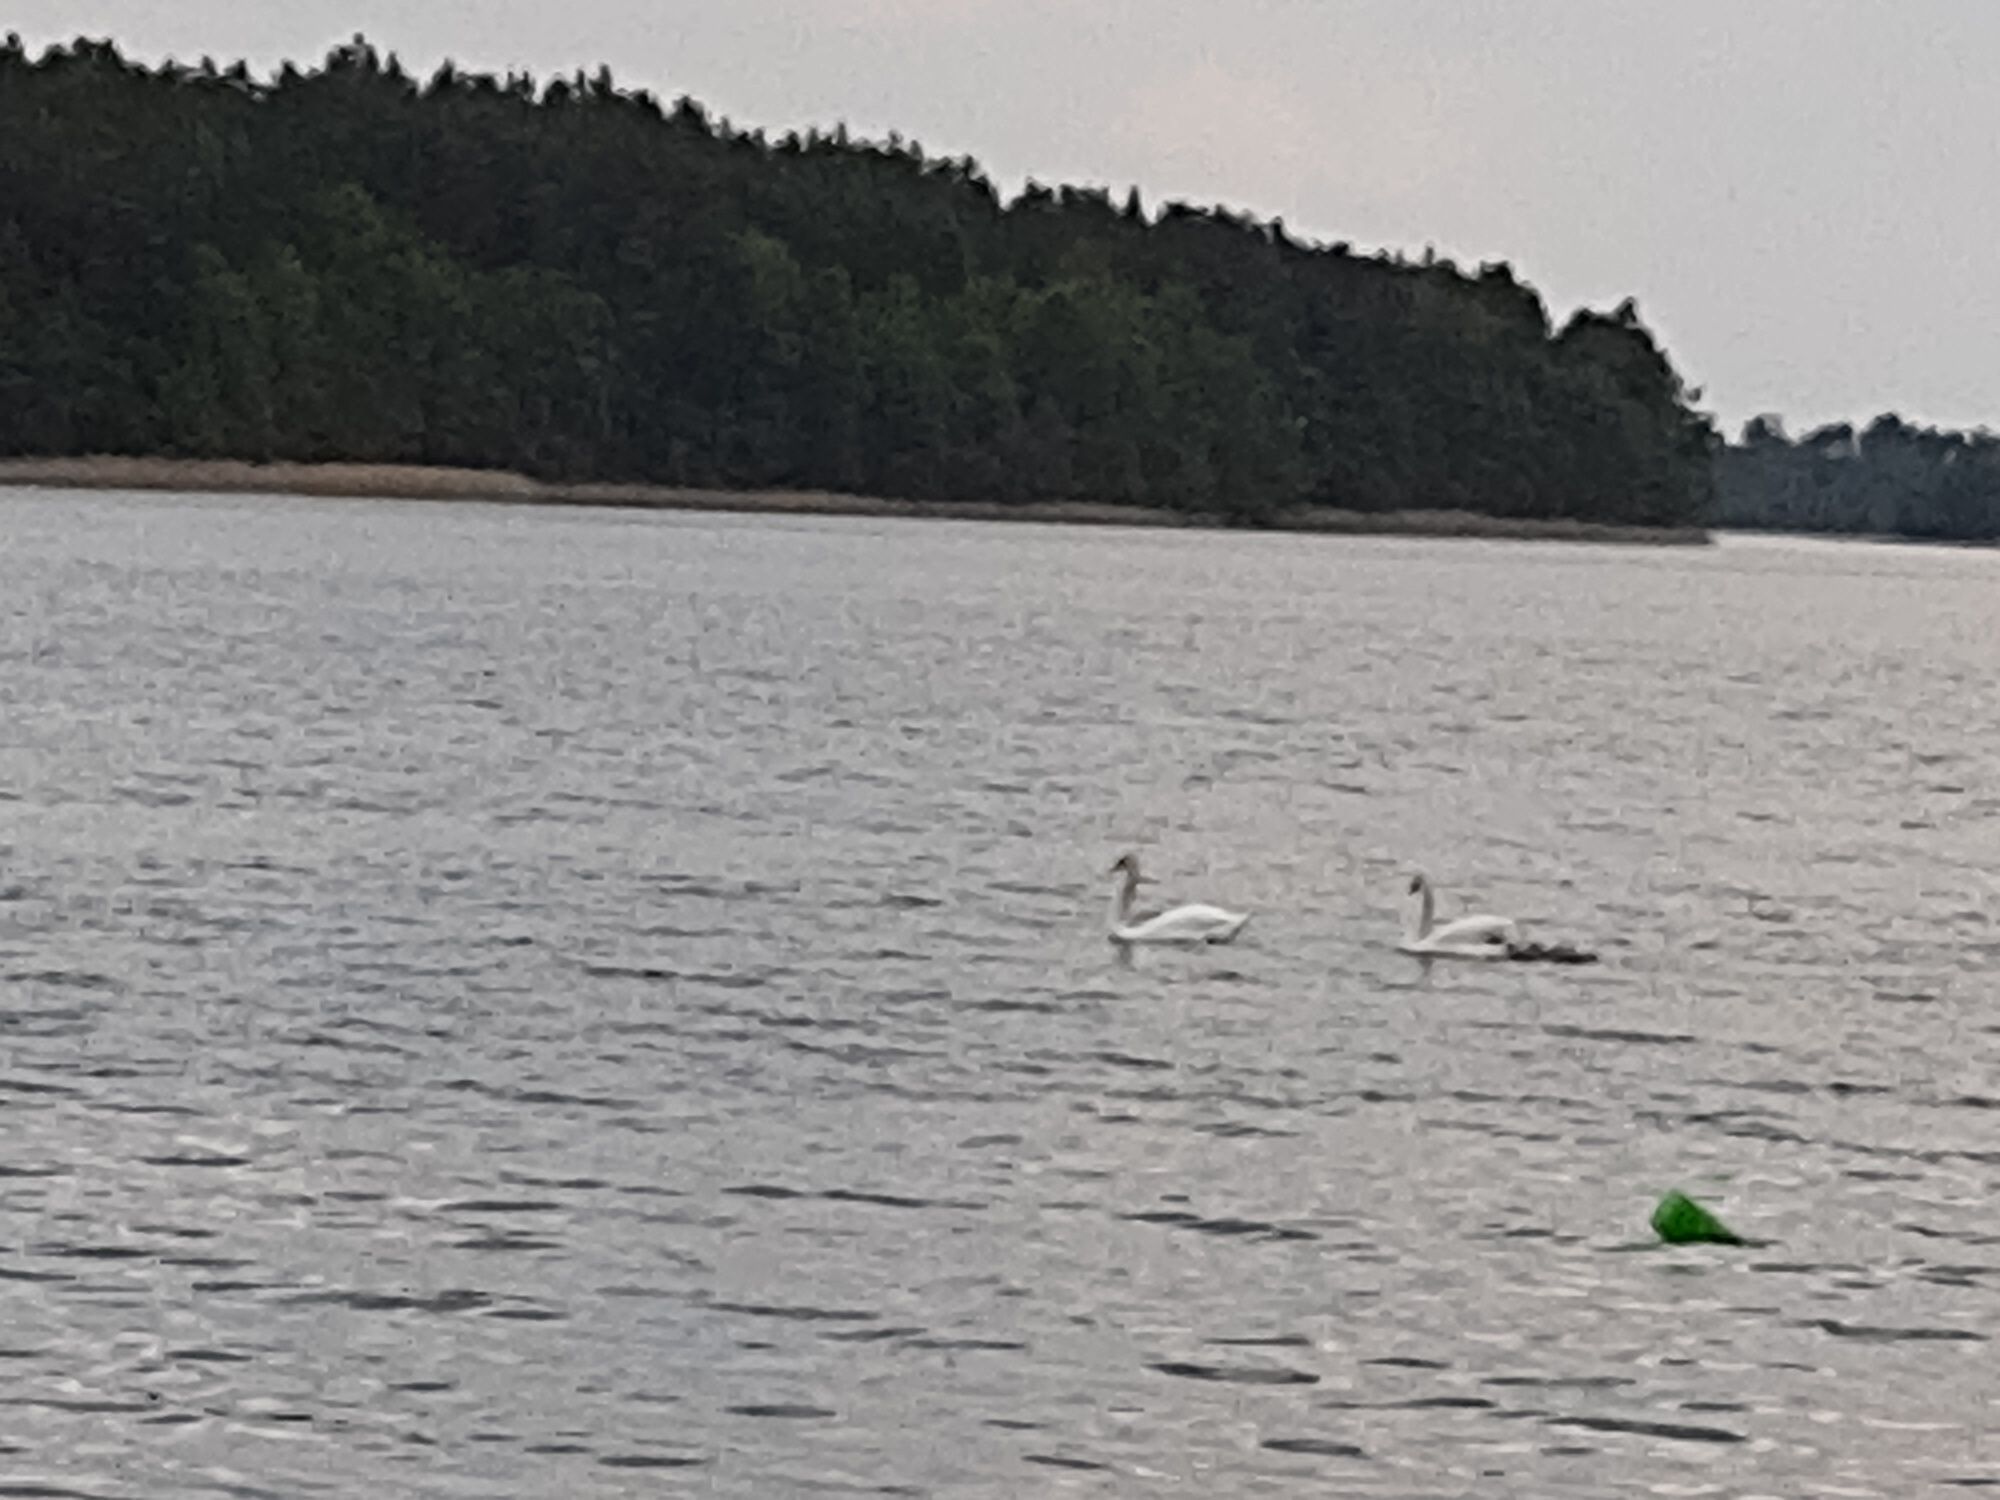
416 482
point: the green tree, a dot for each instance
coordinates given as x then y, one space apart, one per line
565 277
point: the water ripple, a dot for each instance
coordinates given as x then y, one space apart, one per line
513 1002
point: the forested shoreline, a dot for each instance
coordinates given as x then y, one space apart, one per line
582 284
1890 478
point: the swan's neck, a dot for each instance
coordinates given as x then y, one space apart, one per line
1422 911
1122 896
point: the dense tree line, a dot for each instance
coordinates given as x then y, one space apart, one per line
1891 478
582 283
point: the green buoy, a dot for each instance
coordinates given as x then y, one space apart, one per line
1679 1220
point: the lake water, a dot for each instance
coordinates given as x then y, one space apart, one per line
509 1002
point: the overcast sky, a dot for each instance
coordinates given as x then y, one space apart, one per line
1804 195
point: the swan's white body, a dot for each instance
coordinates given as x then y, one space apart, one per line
1193 923
1479 936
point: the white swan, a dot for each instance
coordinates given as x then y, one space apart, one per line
1468 937
1193 923
1480 936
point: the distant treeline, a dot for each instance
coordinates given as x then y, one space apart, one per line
1890 478
580 283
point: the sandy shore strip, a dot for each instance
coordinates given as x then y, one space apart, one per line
416 482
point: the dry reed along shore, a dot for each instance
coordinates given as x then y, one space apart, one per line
415 482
